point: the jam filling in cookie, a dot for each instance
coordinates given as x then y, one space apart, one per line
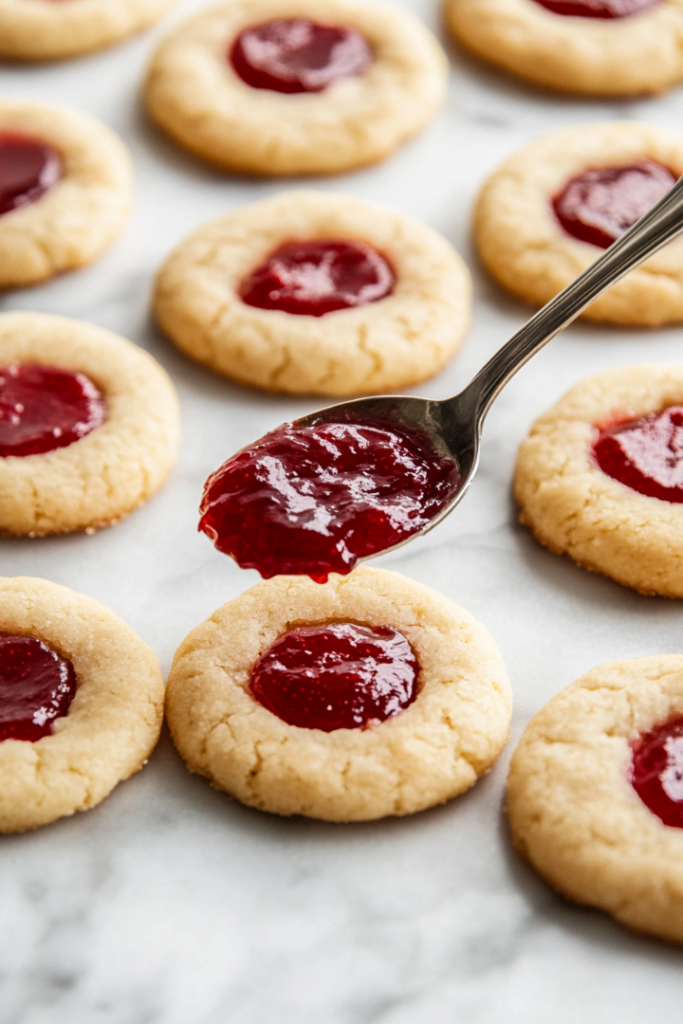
657 771
28 169
316 277
36 686
298 55
43 408
337 676
597 8
601 204
311 500
645 454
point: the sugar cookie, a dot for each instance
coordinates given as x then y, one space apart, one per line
525 246
383 77
599 55
624 520
415 744
109 722
409 328
589 768
112 403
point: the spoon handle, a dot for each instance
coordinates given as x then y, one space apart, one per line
657 227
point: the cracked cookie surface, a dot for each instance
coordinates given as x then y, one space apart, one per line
573 508
397 341
103 476
195 95
115 718
627 56
42 30
573 812
432 751
82 213
526 249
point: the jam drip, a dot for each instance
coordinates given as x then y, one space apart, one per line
28 168
337 676
597 8
645 454
657 771
313 500
36 686
316 277
298 55
43 408
601 204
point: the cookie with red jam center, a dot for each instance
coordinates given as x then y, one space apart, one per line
368 696
28 169
298 55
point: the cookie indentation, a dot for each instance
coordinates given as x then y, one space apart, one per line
28 169
646 454
657 771
36 686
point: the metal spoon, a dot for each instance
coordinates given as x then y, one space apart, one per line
453 426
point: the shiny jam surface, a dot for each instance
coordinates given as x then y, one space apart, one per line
337 676
657 771
316 277
601 204
313 500
28 168
43 408
36 686
645 454
298 55
597 8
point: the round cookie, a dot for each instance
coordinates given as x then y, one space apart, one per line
115 718
45 30
76 218
433 750
390 344
194 93
524 246
573 812
107 473
623 56
574 508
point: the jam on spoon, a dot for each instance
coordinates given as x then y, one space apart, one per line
597 8
646 454
36 686
28 169
312 500
319 276
339 675
601 204
43 408
657 771
298 55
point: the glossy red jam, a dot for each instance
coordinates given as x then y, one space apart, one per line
601 204
597 8
316 277
313 500
657 771
36 686
337 676
28 168
645 454
298 55
43 408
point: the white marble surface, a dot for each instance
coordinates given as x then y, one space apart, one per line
169 904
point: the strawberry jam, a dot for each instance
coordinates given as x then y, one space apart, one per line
43 408
298 55
36 686
316 277
601 204
597 8
657 771
645 454
28 168
312 500
336 676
